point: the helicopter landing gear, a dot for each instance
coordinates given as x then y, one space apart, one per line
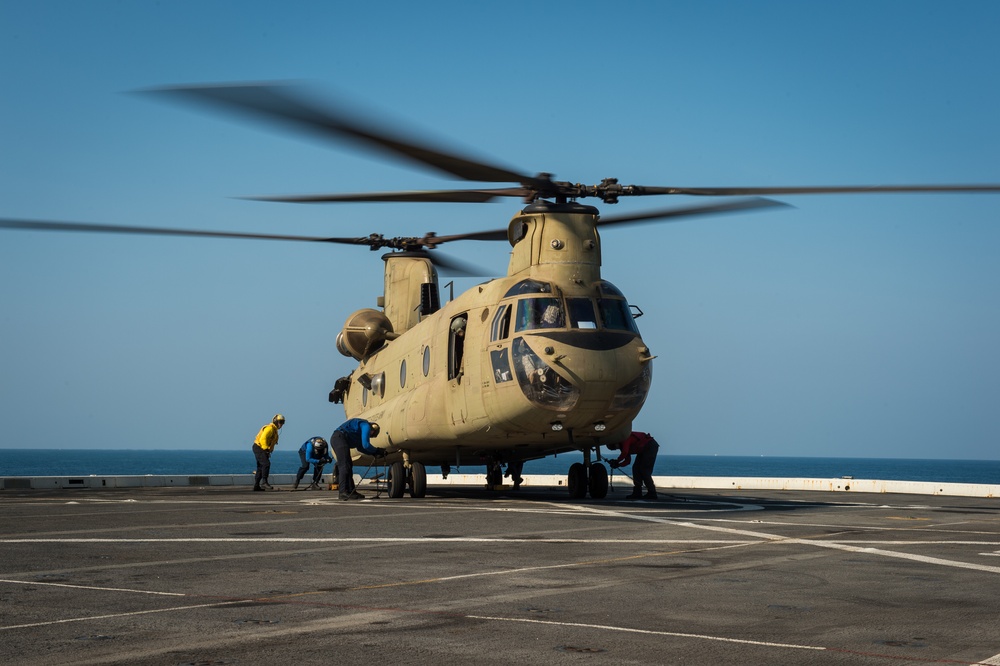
402 476
494 475
587 477
397 479
417 480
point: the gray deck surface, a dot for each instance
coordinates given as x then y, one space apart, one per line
226 576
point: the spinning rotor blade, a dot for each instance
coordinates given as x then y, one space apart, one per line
437 196
38 225
374 241
278 103
836 189
712 209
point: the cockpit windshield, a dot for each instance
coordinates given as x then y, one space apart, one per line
535 313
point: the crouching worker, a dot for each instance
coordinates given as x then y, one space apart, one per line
352 434
644 448
314 452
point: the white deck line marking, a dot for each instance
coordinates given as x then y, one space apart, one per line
92 587
650 632
805 542
257 539
113 615
992 661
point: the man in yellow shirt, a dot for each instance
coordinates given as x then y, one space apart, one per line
263 445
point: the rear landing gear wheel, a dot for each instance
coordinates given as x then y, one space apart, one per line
577 481
598 481
397 480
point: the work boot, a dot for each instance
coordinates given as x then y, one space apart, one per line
313 486
354 495
266 486
650 496
636 494
295 486
258 488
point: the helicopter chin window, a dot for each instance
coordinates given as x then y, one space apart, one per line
541 384
633 394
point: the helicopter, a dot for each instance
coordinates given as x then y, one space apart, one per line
547 359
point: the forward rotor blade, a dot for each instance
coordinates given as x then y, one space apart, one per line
739 205
836 189
440 196
38 225
278 103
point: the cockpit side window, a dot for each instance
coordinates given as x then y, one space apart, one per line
616 315
501 324
535 313
581 313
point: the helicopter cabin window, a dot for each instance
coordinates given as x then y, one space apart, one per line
501 324
427 360
529 287
581 313
402 374
616 315
456 345
535 313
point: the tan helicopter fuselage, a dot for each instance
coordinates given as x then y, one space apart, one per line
545 360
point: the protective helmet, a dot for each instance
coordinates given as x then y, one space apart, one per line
319 444
278 419
374 430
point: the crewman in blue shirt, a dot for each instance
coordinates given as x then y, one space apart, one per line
352 434
314 452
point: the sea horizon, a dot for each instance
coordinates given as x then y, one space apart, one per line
138 462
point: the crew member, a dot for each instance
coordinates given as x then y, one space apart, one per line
263 446
314 452
644 447
352 434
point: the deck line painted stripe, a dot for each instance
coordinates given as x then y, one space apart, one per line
777 538
92 587
650 632
114 615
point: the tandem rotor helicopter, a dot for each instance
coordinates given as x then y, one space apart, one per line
545 360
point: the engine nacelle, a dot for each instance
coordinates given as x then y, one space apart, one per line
365 331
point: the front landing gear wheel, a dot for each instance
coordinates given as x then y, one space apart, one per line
577 481
397 480
598 481
418 480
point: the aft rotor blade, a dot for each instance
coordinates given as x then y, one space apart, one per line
836 189
39 225
455 267
278 103
737 206
439 196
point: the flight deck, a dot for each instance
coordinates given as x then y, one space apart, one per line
222 575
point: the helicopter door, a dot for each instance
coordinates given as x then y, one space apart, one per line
456 366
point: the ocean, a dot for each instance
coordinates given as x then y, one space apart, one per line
129 462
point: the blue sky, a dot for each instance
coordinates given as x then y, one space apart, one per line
845 326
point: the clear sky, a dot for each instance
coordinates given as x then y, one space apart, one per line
845 326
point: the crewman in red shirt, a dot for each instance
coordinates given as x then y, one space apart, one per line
644 448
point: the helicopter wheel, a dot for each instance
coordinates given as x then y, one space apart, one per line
577 481
418 480
494 476
397 480
598 481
